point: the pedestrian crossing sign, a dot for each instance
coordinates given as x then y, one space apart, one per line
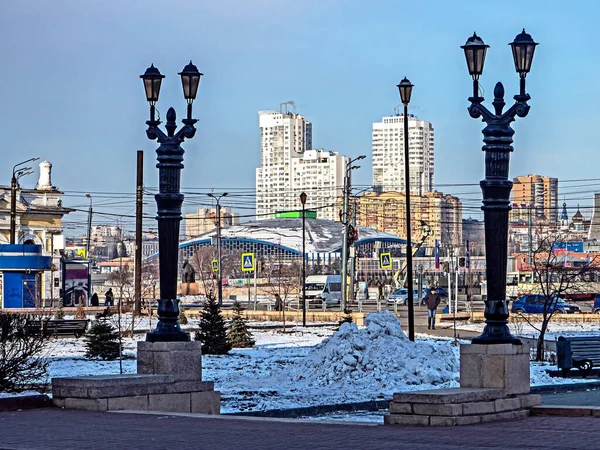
385 260
215 265
247 262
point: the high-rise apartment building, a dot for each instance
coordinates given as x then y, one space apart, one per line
388 154
283 136
536 195
320 174
386 211
205 220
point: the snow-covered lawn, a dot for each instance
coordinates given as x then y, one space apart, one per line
555 329
308 366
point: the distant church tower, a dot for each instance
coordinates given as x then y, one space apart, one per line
564 218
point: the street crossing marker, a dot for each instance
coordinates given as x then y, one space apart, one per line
215 265
385 260
247 262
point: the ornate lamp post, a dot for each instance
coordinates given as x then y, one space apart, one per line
303 201
405 87
496 187
169 199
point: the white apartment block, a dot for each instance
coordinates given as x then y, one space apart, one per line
320 174
283 137
388 154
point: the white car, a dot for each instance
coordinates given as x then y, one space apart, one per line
400 296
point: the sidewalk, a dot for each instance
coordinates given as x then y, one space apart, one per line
53 428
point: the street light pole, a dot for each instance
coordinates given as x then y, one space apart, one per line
14 184
496 187
345 227
169 198
220 280
303 201
89 228
405 87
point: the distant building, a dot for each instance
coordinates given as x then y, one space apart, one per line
388 154
536 195
320 174
39 214
386 212
205 220
283 136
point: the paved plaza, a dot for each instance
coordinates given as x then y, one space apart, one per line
53 428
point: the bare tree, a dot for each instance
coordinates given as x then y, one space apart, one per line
283 282
554 277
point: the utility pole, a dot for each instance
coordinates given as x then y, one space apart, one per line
345 224
89 228
14 184
217 198
352 256
13 208
139 207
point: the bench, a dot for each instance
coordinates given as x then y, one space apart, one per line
52 327
581 352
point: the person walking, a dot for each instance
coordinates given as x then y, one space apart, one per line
94 301
432 300
109 298
380 291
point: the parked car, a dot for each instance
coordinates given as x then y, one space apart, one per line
534 304
596 307
400 296
439 291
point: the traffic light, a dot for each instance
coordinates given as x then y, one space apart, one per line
461 261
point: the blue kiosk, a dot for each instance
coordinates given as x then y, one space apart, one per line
21 268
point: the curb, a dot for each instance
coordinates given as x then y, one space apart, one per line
560 388
25 402
373 405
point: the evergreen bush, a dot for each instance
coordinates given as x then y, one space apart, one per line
102 341
238 334
212 333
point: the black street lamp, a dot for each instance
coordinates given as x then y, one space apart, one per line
169 199
496 187
217 199
405 87
17 173
303 201
344 218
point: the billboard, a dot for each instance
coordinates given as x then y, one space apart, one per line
76 282
559 247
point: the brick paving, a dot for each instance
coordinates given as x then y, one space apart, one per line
53 428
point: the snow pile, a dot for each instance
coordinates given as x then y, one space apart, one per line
378 358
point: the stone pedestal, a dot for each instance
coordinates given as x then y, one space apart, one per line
182 360
169 379
190 289
501 366
494 385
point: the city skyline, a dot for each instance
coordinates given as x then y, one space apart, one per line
346 62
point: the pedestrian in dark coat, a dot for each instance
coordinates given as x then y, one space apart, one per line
432 300
109 298
94 301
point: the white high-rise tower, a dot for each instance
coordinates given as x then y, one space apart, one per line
388 154
283 136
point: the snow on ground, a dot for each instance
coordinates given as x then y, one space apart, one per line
307 366
555 329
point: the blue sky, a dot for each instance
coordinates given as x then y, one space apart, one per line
70 90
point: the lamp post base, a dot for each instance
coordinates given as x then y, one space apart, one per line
168 329
496 325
